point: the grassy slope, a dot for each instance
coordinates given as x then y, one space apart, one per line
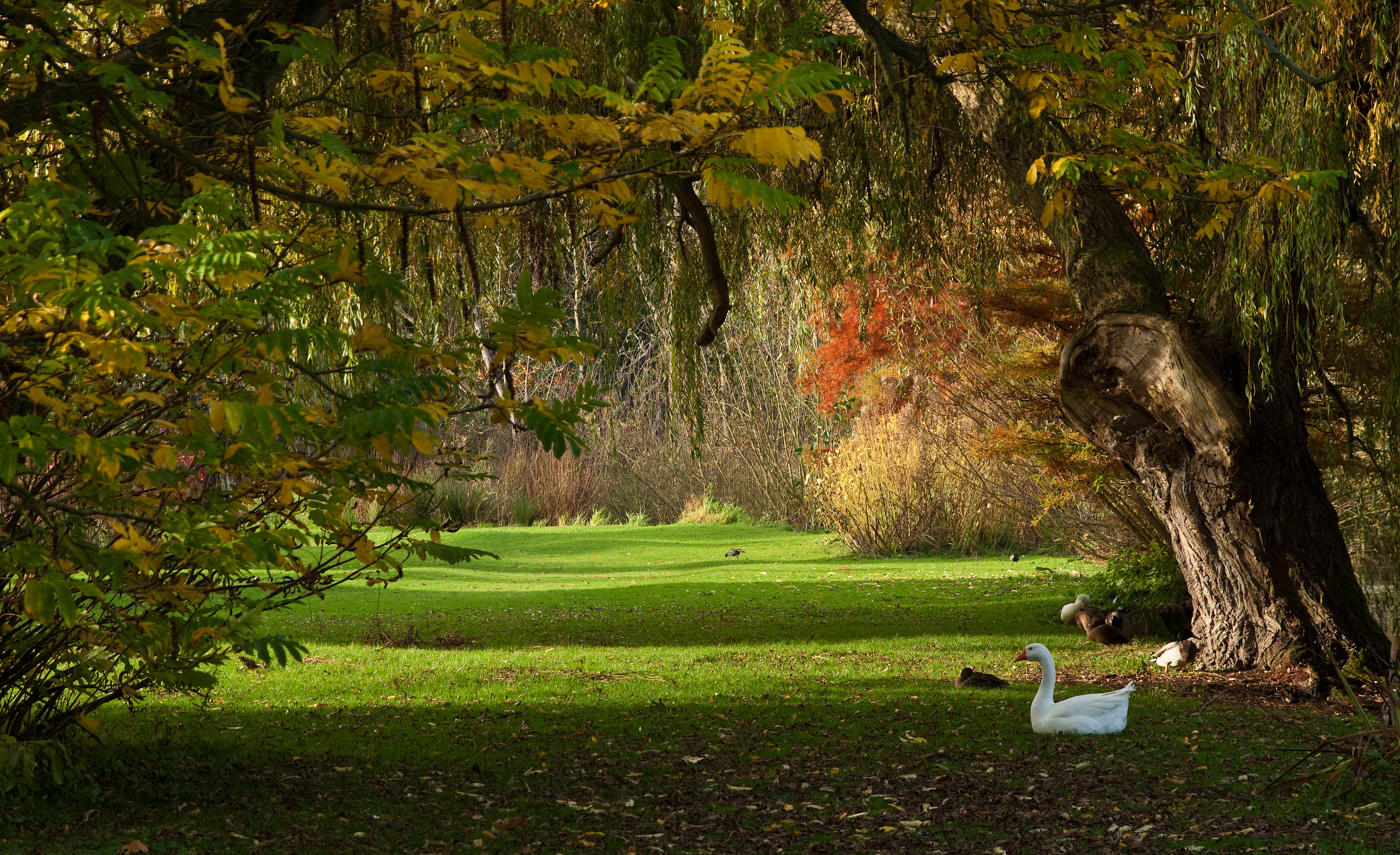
619 689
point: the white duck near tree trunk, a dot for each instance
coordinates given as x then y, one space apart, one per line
1069 610
1103 712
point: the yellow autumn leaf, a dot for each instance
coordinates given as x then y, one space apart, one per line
289 489
232 102
960 62
165 457
1216 224
1217 189
660 129
575 129
347 268
439 186
1057 205
781 146
1037 167
383 446
387 174
129 538
424 443
371 337
723 194
217 419
316 124
364 551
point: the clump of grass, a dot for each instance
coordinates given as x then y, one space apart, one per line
460 503
707 510
601 517
637 518
522 510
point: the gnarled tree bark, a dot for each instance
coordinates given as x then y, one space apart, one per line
1256 535
1254 530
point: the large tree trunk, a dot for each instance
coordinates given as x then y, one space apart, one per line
1254 530
1256 535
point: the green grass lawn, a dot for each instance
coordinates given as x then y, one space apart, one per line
621 689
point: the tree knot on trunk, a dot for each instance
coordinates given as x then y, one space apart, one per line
1138 387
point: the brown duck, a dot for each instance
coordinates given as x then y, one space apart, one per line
1089 617
976 679
1107 633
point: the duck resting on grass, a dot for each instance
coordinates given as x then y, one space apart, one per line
1106 633
1069 610
1089 617
1102 712
969 678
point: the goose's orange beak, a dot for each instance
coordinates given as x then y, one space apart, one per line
1021 656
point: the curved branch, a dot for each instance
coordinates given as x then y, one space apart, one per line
719 284
886 39
1277 52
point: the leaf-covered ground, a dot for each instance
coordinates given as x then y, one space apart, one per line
632 690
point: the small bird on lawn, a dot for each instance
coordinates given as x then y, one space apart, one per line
733 552
1015 556
977 679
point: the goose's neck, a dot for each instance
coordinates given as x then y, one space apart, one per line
1045 695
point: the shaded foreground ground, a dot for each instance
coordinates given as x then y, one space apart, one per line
777 740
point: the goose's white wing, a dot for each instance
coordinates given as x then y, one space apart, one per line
1102 712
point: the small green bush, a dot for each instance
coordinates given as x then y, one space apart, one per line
1139 577
601 517
637 518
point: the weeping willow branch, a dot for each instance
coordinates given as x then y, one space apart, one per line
699 220
886 39
1277 52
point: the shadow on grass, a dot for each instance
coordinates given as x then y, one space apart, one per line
860 766
683 613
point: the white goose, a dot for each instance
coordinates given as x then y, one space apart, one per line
1069 610
1104 712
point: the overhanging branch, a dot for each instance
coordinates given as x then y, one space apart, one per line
888 40
1277 52
714 270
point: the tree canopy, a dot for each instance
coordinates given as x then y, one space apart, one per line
230 326
257 257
